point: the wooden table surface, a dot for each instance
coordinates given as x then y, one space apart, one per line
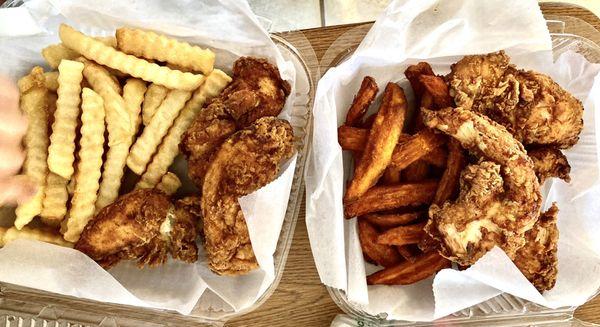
301 299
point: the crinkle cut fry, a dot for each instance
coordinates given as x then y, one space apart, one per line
381 142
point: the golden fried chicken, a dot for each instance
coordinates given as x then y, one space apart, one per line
141 225
537 259
534 108
499 197
256 91
550 162
247 161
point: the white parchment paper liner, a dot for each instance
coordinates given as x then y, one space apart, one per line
441 32
231 30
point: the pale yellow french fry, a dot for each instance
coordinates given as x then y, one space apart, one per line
105 55
62 141
55 199
169 148
51 81
51 98
150 45
83 203
110 41
2 233
34 104
39 234
169 183
133 94
154 97
54 54
145 146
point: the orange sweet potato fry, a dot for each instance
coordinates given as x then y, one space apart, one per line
448 185
437 157
352 138
408 252
437 87
413 72
416 171
402 235
407 272
416 147
392 175
368 122
380 198
383 255
392 219
362 100
381 142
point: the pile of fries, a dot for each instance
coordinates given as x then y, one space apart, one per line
144 87
398 173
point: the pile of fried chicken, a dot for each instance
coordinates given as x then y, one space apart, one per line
234 147
464 176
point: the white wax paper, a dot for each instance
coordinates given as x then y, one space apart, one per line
230 29
441 32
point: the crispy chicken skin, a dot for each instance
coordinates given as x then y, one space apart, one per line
256 91
550 162
247 161
534 108
537 259
140 225
499 197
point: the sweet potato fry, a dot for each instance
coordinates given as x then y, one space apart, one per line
416 171
381 142
416 147
427 243
352 138
437 157
355 139
362 100
383 255
402 235
448 185
413 72
381 198
392 219
392 175
438 89
410 272
408 252
368 122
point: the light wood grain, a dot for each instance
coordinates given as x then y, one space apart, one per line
300 299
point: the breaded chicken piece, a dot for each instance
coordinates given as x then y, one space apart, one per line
550 162
256 91
534 108
141 225
537 259
499 197
208 131
247 161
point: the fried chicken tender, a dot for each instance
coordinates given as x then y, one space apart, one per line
499 197
247 161
550 162
256 91
534 108
537 259
141 225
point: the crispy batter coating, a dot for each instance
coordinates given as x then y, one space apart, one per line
550 162
140 225
534 108
499 197
247 161
537 259
256 91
